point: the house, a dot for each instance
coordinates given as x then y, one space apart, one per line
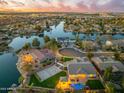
78 74
102 63
118 43
37 58
63 84
81 72
42 55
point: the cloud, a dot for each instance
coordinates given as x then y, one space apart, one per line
11 4
112 5
17 3
65 5
2 3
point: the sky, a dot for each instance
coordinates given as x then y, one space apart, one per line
62 5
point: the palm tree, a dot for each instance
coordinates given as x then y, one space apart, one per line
47 25
52 44
89 55
20 80
78 41
46 39
27 46
110 88
102 26
107 73
36 42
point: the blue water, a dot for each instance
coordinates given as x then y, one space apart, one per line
19 42
118 36
8 71
59 32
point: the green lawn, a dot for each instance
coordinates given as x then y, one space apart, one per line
65 59
49 83
95 84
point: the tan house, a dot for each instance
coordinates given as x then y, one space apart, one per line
78 73
81 72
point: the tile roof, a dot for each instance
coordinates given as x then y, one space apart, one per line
81 68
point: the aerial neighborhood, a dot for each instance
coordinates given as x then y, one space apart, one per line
62 52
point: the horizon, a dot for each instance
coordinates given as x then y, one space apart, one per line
80 6
58 12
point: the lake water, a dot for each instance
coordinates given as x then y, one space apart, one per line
18 42
8 71
57 31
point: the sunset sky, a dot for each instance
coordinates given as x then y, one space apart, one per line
62 5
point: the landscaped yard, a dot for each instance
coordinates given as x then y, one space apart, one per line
95 84
49 83
65 59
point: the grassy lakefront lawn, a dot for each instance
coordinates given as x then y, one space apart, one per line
48 83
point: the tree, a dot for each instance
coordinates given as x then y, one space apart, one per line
53 45
123 82
110 88
46 39
36 42
117 55
27 46
90 55
98 41
102 26
59 91
38 28
47 25
78 41
27 67
107 73
20 80
19 26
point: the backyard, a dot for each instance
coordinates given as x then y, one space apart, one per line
49 83
94 84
